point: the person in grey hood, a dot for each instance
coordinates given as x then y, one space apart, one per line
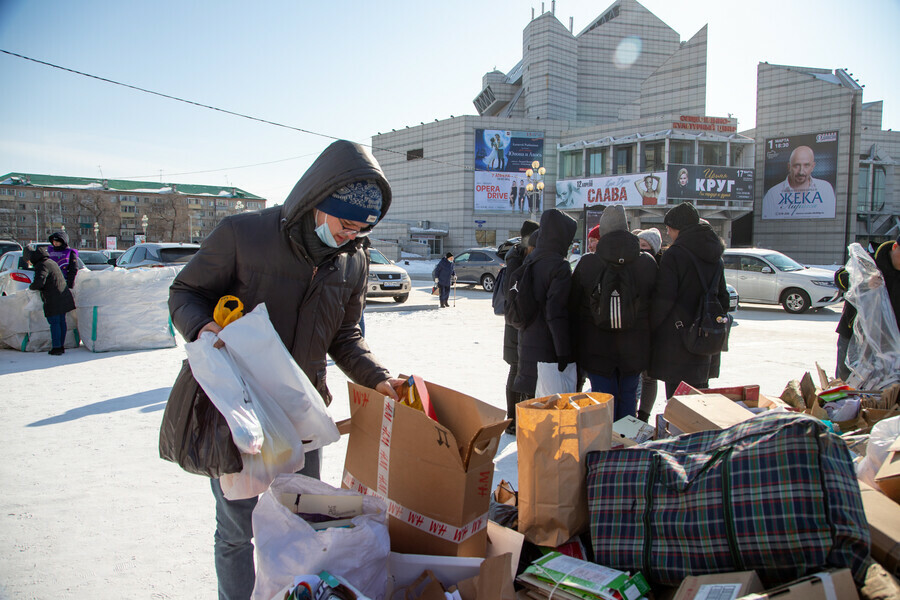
546 342
303 260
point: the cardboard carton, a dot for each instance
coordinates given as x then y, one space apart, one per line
633 429
827 585
883 515
888 476
719 585
435 475
704 412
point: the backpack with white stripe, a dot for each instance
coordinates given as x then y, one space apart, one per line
614 297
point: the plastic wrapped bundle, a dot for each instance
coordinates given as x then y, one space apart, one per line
24 327
874 352
125 309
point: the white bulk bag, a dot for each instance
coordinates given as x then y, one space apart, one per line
24 327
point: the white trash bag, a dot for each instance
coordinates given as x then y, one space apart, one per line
287 546
883 434
874 352
289 410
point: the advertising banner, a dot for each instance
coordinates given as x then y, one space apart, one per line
111 242
701 182
638 189
503 192
507 151
800 173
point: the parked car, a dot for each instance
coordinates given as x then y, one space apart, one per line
733 297
16 275
770 277
96 261
112 254
386 280
157 254
478 266
9 246
506 246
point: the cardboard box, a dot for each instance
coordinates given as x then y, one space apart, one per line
633 429
719 585
883 515
888 476
827 585
704 412
435 475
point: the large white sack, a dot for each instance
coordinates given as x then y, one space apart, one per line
24 327
125 309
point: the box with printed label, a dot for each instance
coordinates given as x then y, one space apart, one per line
436 475
719 586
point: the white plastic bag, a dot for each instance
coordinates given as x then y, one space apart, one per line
290 410
551 380
286 545
220 378
883 434
874 352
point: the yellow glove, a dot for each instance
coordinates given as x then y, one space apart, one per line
224 315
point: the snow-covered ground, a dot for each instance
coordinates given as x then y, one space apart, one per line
88 510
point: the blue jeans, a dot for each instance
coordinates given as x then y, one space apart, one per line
622 387
57 330
234 530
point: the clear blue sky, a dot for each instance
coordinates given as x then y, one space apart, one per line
346 69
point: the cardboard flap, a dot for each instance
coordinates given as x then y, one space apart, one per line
484 445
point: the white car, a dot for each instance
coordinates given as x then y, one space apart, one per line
386 280
769 277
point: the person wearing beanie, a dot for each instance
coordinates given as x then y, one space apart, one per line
304 260
55 293
677 294
60 253
651 243
612 352
444 274
593 237
514 258
650 240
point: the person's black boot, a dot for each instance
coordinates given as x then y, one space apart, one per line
56 351
643 416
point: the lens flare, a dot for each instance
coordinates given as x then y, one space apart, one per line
628 52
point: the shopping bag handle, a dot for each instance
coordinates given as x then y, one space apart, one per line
223 315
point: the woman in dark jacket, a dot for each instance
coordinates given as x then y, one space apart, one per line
546 342
677 294
62 255
443 276
58 300
613 358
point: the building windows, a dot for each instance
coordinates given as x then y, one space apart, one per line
486 237
654 157
681 152
571 164
624 160
597 162
38 194
713 153
873 202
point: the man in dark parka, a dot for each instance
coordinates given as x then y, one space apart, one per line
678 291
303 260
51 283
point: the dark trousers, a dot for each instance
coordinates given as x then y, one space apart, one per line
512 396
842 371
622 387
57 330
444 294
233 547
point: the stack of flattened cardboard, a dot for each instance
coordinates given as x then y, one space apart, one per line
436 475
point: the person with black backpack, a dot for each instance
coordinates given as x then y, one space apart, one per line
514 258
610 307
691 266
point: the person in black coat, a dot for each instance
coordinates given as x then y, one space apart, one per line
514 258
443 275
677 294
547 341
613 359
58 300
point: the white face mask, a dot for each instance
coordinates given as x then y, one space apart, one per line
324 233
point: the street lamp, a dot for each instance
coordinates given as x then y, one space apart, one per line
144 220
96 233
535 187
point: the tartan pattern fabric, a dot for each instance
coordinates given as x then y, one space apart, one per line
777 493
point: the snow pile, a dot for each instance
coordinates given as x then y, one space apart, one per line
24 327
125 309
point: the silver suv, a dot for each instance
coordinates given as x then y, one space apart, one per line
386 280
153 254
769 277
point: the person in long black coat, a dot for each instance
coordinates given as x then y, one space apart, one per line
547 341
58 300
677 294
613 359
443 274
514 258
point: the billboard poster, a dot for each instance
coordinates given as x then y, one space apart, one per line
637 189
507 151
503 192
701 182
800 174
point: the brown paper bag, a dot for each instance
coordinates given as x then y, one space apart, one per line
553 436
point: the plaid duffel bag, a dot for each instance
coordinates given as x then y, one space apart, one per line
777 493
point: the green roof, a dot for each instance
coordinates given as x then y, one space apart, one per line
123 185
